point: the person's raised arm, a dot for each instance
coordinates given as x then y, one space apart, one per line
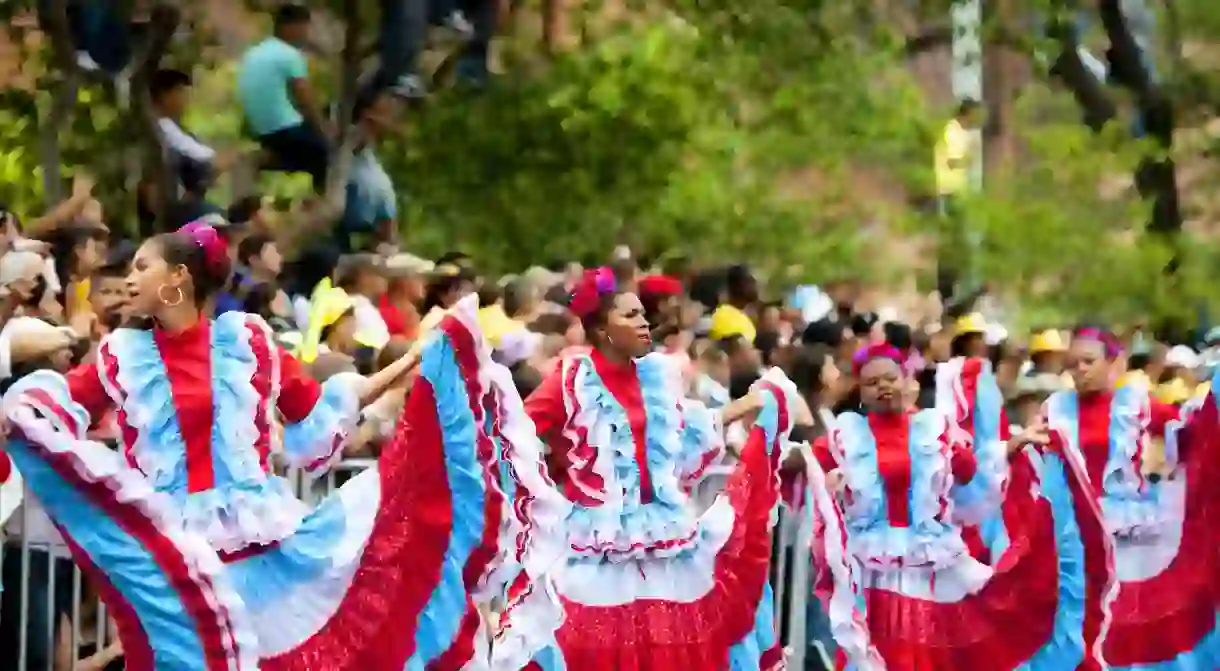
64 212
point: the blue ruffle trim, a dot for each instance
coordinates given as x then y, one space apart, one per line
266 580
441 618
1065 649
632 522
311 442
160 449
980 498
746 654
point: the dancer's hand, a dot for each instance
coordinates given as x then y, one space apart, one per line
1034 434
835 480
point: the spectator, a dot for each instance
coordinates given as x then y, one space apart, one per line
21 273
108 294
969 337
404 290
363 278
449 283
954 157
1026 403
281 108
712 377
372 206
731 317
194 163
332 325
404 27
1047 351
77 252
28 344
249 211
745 364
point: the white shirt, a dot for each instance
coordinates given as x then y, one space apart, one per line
370 326
180 142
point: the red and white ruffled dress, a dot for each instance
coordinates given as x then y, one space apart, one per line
618 569
903 589
202 554
1161 611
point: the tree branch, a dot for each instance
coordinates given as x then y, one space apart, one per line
1099 109
1156 177
162 24
53 20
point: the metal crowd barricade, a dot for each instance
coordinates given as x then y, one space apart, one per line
790 582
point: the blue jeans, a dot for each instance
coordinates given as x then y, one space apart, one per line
42 607
98 29
472 64
404 26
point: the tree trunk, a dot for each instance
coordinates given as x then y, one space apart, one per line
162 25
53 21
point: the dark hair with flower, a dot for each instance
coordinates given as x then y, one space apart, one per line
593 296
1108 340
872 352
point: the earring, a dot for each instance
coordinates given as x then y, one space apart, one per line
177 299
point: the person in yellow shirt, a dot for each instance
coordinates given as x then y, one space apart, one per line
955 153
731 318
956 150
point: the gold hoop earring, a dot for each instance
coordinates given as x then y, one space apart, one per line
177 299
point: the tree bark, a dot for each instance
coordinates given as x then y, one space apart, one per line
54 24
163 23
1156 177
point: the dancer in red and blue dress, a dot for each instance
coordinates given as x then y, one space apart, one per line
902 589
201 553
1160 530
620 572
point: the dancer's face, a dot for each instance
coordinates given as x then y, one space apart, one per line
626 329
882 386
1088 365
153 284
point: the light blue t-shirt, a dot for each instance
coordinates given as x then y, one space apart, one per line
262 85
370 193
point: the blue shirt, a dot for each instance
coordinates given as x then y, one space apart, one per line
262 85
370 193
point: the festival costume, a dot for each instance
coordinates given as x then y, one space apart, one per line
1160 531
203 555
618 570
903 589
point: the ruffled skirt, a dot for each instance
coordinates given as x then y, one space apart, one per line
1165 613
1043 593
706 608
379 576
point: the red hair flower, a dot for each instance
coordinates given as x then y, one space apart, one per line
587 294
215 250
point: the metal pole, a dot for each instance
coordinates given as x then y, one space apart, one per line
967 80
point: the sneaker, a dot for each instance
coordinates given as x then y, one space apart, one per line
85 62
458 23
410 87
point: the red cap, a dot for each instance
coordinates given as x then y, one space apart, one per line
659 285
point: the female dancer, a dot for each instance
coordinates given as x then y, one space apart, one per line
902 589
642 581
1162 531
200 552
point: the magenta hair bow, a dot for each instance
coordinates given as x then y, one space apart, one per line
215 249
588 292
